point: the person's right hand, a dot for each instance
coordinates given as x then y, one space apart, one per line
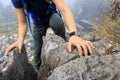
18 44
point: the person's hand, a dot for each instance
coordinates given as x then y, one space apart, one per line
18 44
80 45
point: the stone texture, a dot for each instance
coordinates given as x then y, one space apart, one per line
54 53
59 64
70 71
20 69
89 68
5 41
89 36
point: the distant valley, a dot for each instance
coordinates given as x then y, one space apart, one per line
87 10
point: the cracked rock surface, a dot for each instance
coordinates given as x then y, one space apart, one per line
59 64
103 64
20 69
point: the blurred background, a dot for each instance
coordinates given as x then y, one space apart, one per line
84 11
90 16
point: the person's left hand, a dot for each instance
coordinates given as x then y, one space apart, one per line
80 44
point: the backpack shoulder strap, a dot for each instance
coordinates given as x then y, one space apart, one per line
28 20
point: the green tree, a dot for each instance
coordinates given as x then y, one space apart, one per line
110 25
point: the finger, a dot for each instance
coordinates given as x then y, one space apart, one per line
69 46
20 47
85 49
79 50
7 51
11 47
89 48
90 44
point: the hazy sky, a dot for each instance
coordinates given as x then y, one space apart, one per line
5 2
70 2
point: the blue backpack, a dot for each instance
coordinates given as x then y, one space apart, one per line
41 9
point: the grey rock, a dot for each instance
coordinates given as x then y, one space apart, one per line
6 61
101 68
5 41
89 68
20 69
116 77
59 64
102 45
117 48
70 71
89 36
55 53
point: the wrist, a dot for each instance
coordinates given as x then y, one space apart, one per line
72 30
74 33
21 39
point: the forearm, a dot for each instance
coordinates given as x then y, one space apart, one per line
69 19
67 14
22 30
22 26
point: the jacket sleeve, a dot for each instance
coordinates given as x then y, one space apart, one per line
17 3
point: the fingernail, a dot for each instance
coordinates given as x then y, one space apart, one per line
19 51
70 50
6 54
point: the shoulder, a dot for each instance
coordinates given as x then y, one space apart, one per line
17 3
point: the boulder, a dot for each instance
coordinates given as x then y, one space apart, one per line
20 69
59 64
54 54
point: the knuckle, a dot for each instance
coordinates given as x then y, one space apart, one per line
8 48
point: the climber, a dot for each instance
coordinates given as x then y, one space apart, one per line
46 13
